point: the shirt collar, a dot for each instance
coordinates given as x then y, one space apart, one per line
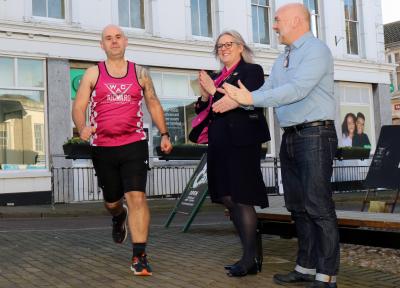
299 42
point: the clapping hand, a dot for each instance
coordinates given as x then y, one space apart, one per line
224 104
240 95
206 82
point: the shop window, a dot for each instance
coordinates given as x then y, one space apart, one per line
201 18
3 138
131 13
39 137
7 72
49 8
260 12
356 115
22 118
177 98
178 92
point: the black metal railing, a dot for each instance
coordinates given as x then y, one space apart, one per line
78 184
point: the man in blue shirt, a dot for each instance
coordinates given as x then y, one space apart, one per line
300 88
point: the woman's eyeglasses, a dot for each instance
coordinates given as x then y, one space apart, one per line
227 45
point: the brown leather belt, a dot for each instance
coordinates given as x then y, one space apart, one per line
302 126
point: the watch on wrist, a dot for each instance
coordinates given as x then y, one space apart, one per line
165 134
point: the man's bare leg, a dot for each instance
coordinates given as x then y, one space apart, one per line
138 217
139 221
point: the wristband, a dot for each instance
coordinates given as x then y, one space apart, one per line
165 134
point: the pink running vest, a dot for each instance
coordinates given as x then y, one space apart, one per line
115 108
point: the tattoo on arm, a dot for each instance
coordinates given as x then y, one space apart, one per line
146 82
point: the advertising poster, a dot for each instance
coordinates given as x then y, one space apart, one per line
355 127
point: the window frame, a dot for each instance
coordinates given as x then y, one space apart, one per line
42 89
190 96
67 14
146 18
316 16
269 7
212 21
357 24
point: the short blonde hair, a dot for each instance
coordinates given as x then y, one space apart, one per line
247 54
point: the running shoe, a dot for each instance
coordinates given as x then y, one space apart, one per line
119 227
141 266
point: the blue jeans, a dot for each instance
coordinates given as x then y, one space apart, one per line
306 160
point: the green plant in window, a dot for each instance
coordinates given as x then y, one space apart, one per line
75 140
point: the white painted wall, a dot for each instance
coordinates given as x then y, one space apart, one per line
172 18
77 36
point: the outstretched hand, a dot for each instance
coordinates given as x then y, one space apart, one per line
241 95
224 104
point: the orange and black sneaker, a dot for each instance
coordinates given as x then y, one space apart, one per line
141 266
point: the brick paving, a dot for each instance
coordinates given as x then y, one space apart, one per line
79 252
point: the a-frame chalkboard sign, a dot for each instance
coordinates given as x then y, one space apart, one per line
384 171
193 196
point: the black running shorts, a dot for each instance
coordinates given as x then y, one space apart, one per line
121 169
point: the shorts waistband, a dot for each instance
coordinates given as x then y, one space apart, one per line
326 123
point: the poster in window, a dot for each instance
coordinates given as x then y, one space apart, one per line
355 127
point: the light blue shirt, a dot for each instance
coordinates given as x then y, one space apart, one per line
303 91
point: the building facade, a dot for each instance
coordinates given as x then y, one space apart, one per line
392 51
46 46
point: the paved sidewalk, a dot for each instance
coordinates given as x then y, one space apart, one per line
79 252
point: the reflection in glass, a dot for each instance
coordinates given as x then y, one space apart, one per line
56 9
260 22
195 17
21 141
254 20
123 13
6 72
30 73
201 17
177 119
48 8
350 10
131 13
39 8
137 13
205 18
351 38
175 85
157 82
312 6
194 90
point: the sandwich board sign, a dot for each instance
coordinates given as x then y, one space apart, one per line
193 195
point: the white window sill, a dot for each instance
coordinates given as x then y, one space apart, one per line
4 174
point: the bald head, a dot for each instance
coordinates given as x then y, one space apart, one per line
291 22
297 11
112 29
